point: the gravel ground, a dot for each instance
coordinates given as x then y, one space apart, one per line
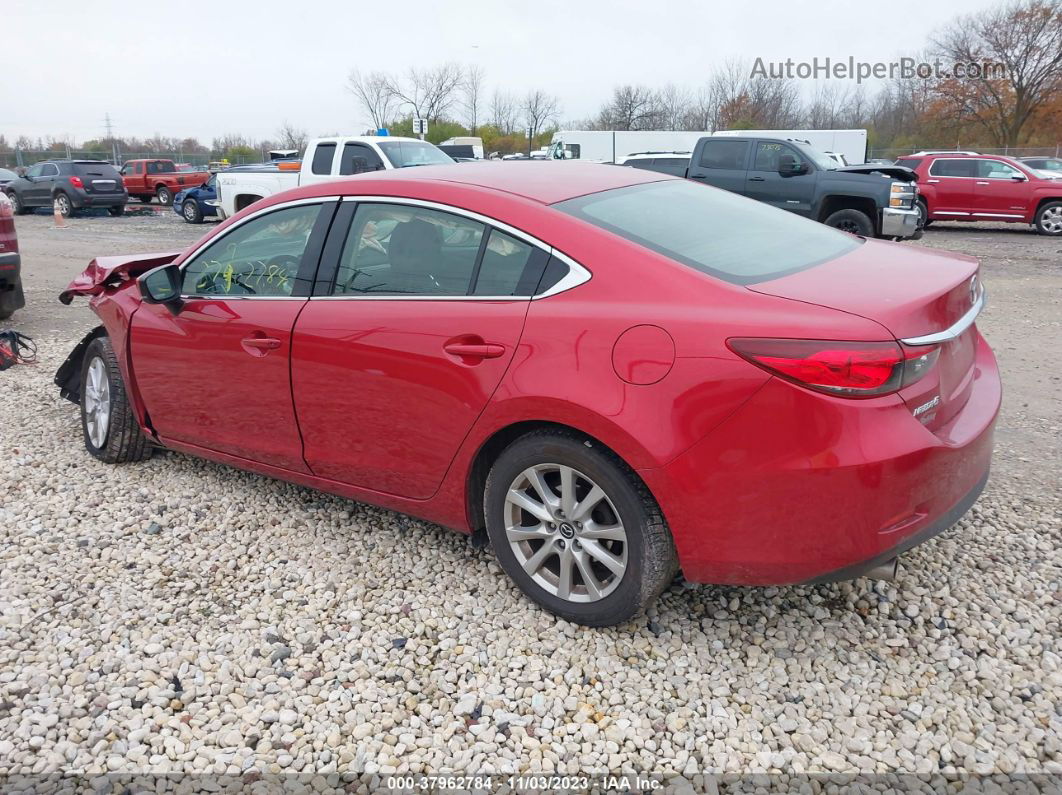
178 615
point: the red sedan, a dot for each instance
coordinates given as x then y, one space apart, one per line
614 373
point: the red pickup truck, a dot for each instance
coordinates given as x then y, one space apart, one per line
160 179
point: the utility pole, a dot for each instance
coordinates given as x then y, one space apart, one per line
109 126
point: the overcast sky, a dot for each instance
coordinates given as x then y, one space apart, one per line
246 66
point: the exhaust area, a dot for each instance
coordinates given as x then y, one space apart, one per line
884 571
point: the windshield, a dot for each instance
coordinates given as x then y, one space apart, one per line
7 175
414 153
821 160
719 233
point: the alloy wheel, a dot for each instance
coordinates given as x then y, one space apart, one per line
565 532
97 402
64 205
190 211
1051 220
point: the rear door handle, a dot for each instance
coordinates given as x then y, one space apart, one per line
984 183
485 350
261 343
757 179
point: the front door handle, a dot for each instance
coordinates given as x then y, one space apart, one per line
485 350
757 179
984 183
259 346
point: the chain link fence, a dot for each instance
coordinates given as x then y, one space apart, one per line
1054 150
21 158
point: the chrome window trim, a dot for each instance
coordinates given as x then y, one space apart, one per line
955 329
264 211
974 159
577 273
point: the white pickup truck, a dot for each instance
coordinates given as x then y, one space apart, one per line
325 159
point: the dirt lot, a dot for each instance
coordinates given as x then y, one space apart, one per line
178 615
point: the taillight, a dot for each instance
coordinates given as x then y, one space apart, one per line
76 182
845 369
6 210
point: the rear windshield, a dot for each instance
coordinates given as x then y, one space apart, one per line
719 233
103 170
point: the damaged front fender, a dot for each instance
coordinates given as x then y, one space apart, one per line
68 376
104 272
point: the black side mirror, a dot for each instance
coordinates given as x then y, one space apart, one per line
162 286
789 167
1019 178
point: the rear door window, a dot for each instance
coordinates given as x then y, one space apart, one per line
953 167
724 154
323 156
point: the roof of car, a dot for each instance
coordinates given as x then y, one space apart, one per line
544 181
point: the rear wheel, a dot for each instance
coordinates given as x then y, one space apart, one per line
576 529
146 199
164 196
117 210
1049 219
66 207
191 212
112 433
852 221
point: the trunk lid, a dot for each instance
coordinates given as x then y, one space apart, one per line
911 292
99 178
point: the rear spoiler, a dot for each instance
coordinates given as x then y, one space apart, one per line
105 272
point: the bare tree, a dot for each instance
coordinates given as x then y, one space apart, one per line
539 109
428 93
503 112
673 105
631 108
373 91
1025 38
742 101
290 137
472 91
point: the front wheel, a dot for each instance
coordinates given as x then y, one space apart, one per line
924 221
576 529
852 221
164 196
1049 219
112 433
191 213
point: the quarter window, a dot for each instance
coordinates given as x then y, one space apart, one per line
322 158
724 154
508 266
397 250
258 258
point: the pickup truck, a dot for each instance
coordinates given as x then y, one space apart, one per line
160 179
325 159
868 200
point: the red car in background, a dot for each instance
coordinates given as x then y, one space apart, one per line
615 373
963 186
159 179
11 296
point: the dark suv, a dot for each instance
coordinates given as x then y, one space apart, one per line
71 184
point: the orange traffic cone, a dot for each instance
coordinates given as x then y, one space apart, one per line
60 222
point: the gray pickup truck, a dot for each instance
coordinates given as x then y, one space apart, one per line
867 200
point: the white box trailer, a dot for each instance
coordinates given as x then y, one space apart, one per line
613 146
850 143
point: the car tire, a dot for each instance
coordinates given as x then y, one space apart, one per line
638 546
1049 219
66 206
191 213
17 207
117 210
162 193
108 423
924 221
853 221
146 199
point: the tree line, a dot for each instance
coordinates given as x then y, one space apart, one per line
1020 106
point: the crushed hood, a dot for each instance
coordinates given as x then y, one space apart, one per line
108 271
896 172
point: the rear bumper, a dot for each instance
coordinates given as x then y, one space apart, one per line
899 223
10 267
82 200
797 487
